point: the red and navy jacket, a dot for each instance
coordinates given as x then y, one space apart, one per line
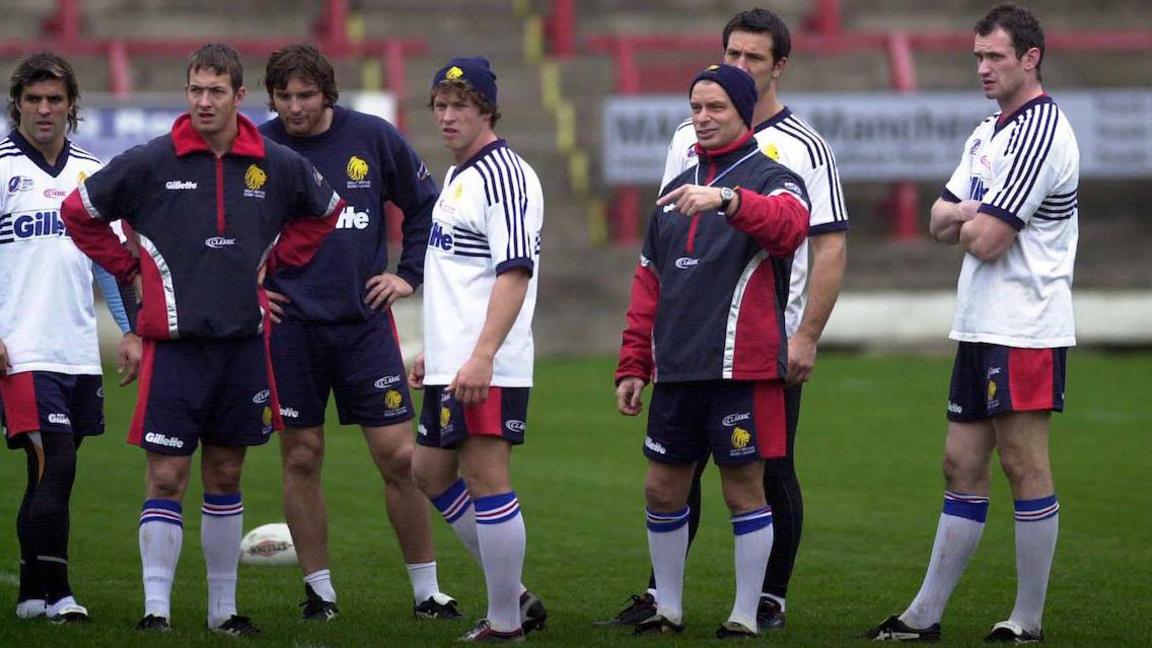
368 162
203 226
709 293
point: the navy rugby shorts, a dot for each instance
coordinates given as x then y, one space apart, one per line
445 423
358 362
219 392
737 421
51 402
990 379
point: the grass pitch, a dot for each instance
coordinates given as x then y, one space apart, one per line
868 454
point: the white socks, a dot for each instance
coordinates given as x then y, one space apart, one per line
423 577
321 583
500 531
1037 525
957 535
753 539
668 550
221 528
161 536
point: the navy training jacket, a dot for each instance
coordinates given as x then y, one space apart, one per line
709 293
203 227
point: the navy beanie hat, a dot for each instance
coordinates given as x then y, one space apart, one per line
475 70
739 85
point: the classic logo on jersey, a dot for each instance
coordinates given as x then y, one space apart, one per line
352 219
19 183
733 419
514 425
686 262
740 438
180 185
438 238
392 399
261 397
160 439
386 381
254 179
453 73
219 242
357 168
55 194
771 151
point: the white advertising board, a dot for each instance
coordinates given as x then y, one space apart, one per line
890 136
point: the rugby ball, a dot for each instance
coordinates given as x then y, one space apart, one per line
270 544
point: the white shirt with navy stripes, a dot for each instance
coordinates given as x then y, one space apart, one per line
1025 170
792 142
486 221
47 318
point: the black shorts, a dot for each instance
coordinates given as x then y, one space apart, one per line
445 423
359 363
990 379
51 402
737 421
220 392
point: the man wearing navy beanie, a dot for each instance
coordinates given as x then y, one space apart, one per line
480 278
737 83
707 317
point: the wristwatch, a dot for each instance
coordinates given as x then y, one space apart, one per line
726 198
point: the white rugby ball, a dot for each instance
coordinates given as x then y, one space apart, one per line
270 544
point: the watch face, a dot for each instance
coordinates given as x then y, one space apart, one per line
726 193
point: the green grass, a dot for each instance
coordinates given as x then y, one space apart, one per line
869 456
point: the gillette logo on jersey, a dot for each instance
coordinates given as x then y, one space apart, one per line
31 225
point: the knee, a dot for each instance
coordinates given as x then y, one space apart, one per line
301 459
661 496
1019 469
430 476
396 465
165 483
964 473
223 476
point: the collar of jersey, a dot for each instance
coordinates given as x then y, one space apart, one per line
249 142
784 113
476 158
34 154
1001 122
726 153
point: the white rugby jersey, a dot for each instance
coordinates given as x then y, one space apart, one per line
792 142
1025 170
47 318
487 220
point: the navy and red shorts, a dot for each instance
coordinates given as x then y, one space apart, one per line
990 379
51 402
219 392
445 423
737 421
358 362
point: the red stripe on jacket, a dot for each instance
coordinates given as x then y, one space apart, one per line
95 238
301 238
636 346
757 340
778 223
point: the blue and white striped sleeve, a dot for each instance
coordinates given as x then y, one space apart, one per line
1024 175
509 226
